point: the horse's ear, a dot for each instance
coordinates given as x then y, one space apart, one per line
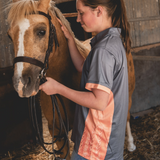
44 5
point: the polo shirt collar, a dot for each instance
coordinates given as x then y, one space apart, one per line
105 33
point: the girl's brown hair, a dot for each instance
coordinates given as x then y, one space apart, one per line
117 11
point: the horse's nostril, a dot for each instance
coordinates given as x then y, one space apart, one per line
29 80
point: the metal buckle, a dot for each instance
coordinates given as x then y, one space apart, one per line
42 73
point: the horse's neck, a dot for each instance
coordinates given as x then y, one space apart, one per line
60 61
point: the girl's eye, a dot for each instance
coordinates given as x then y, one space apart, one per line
81 13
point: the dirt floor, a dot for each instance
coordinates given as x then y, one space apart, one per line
146 133
145 130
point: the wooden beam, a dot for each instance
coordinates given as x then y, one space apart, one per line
62 1
146 58
70 14
147 47
130 20
159 6
144 18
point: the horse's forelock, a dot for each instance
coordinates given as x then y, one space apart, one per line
21 9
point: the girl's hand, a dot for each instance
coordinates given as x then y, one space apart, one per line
65 30
50 86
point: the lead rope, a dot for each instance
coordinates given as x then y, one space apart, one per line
66 128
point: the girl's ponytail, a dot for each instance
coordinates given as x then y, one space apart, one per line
119 19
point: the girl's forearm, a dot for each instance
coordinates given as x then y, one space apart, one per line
87 99
77 58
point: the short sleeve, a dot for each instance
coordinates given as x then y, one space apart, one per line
101 70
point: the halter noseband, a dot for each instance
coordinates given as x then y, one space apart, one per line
52 37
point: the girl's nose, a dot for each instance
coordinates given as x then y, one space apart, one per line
78 18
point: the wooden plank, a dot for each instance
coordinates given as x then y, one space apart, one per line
147 58
137 34
142 8
153 31
147 8
144 18
70 14
148 47
62 1
6 47
138 8
132 35
159 6
2 49
129 19
147 89
128 9
145 32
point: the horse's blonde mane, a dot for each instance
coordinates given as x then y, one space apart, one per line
83 50
22 8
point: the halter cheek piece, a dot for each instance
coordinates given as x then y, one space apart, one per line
52 38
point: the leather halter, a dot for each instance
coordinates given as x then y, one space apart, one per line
52 37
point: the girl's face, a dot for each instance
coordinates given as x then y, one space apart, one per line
87 17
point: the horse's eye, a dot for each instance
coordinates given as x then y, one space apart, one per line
41 33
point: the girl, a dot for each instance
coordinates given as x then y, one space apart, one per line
102 103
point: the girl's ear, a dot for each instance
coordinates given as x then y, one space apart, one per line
99 10
43 5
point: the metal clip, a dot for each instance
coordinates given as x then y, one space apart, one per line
42 74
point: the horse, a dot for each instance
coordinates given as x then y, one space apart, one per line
30 32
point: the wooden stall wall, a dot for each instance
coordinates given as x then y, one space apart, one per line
144 18
6 47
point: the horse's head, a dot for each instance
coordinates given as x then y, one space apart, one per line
29 32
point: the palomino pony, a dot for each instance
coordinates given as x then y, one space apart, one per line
30 32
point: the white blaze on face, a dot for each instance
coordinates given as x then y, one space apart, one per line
23 27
